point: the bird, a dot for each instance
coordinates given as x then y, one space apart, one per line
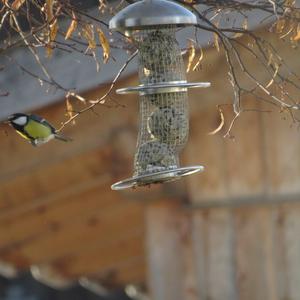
35 129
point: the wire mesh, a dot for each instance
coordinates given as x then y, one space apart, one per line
163 116
160 58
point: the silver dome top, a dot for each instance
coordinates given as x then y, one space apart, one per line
152 13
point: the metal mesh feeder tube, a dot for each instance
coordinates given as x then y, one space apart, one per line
163 113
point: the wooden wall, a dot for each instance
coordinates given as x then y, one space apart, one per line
230 233
239 236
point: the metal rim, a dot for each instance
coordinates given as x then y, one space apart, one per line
167 87
157 177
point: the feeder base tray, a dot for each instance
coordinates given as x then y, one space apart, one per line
157 177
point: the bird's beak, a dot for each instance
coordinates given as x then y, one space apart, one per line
9 119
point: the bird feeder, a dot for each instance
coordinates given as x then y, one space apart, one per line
164 119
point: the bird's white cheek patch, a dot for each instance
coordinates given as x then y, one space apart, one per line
20 121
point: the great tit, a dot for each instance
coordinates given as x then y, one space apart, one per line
35 129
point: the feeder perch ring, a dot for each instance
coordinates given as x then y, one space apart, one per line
157 177
167 87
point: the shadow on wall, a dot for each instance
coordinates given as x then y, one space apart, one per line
27 288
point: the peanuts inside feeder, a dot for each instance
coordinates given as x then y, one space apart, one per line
163 115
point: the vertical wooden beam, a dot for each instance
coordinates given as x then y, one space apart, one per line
170 271
255 255
214 248
282 148
206 150
292 246
244 153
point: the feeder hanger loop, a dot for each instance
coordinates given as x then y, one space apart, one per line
164 120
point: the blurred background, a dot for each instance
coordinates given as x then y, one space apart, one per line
231 232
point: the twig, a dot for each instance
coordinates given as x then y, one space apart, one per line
101 100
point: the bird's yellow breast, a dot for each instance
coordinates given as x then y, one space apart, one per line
37 130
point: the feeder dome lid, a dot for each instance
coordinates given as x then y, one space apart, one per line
152 13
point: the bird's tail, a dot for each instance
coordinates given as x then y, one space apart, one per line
63 138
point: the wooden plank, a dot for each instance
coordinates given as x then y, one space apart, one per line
208 151
129 272
43 181
280 251
170 252
132 271
189 256
76 237
213 241
255 256
292 251
164 253
282 147
107 255
243 153
45 217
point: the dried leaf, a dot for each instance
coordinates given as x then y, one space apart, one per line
270 59
287 33
238 35
244 26
17 4
105 45
217 42
49 10
69 109
297 36
53 28
88 34
274 75
220 125
280 24
199 60
49 51
191 57
72 27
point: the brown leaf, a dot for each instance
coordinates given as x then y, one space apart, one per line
17 4
280 25
88 34
217 42
53 28
199 59
105 45
221 123
72 27
69 109
274 75
297 36
270 59
244 26
191 57
49 10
